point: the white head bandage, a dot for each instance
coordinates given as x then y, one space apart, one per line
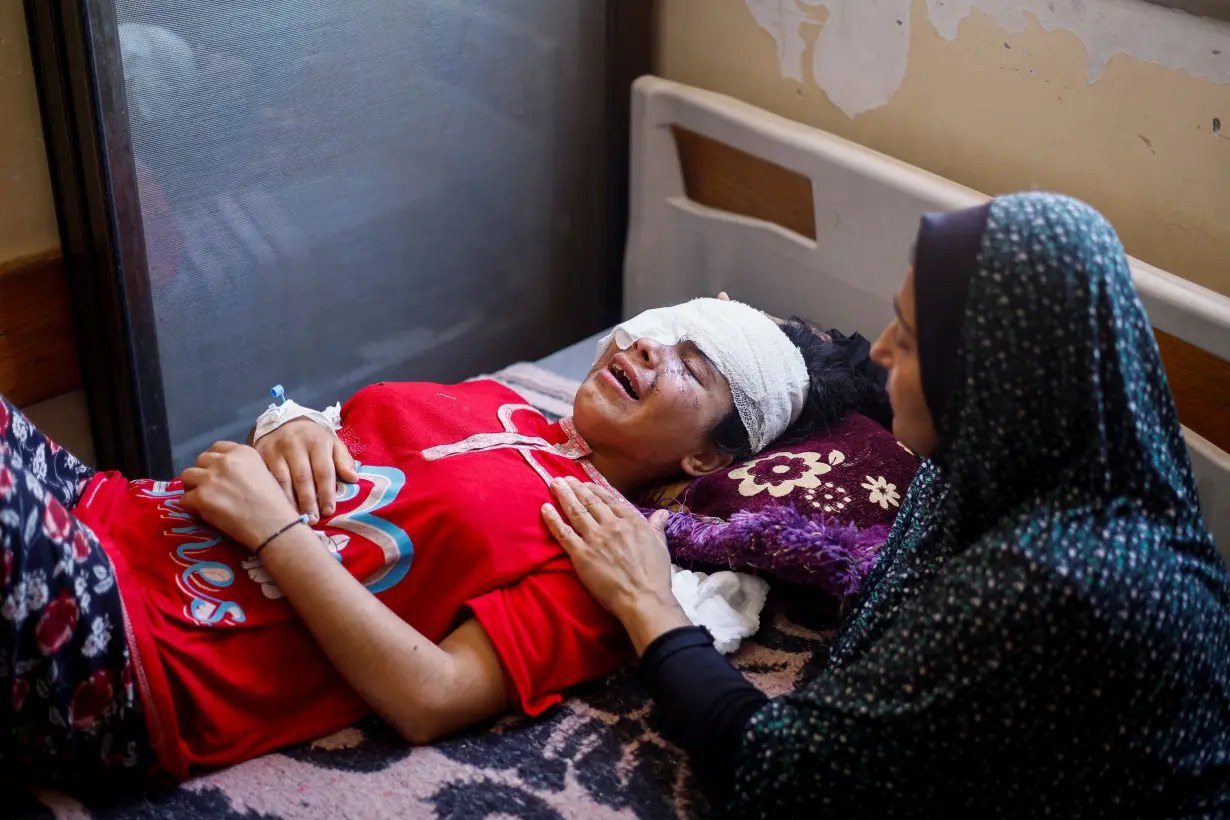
767 374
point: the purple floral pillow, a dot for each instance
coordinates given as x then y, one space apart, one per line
816 511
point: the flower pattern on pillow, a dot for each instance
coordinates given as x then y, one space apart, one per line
782 473
830 498
882 492
800 478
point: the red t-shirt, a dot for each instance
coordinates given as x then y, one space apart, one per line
443 522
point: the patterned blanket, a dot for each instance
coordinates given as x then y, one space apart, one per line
598 755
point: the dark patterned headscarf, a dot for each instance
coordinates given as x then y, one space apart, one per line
1047 627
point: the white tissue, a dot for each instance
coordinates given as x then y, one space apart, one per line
728 604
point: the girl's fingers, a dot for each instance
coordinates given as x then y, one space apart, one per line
193 477
305 484
207 458
326 478
344 462
280 471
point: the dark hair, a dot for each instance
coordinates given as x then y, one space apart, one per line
833 393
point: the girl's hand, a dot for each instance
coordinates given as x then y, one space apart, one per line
620 557
231 488
307 460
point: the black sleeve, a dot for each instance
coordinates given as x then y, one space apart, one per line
702 701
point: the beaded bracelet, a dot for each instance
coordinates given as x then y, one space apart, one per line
303 519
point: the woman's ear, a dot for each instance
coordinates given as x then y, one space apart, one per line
706 461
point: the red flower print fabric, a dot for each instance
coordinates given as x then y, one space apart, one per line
55 627
57 523
91 699
71 714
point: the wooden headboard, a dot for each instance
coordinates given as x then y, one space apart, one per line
38 349
726 196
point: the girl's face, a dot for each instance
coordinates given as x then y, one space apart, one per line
654 405
897 351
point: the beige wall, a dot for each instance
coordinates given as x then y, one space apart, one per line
1001 111
27 214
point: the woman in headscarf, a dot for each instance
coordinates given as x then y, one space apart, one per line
1047 628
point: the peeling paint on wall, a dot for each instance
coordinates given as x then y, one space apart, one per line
784 20
1142 31
862 50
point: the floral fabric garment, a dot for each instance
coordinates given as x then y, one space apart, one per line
1047 629
67 701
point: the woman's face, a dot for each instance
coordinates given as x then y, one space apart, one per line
897 351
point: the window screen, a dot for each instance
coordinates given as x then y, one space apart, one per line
335 193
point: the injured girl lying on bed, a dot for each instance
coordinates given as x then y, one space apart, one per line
155 626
